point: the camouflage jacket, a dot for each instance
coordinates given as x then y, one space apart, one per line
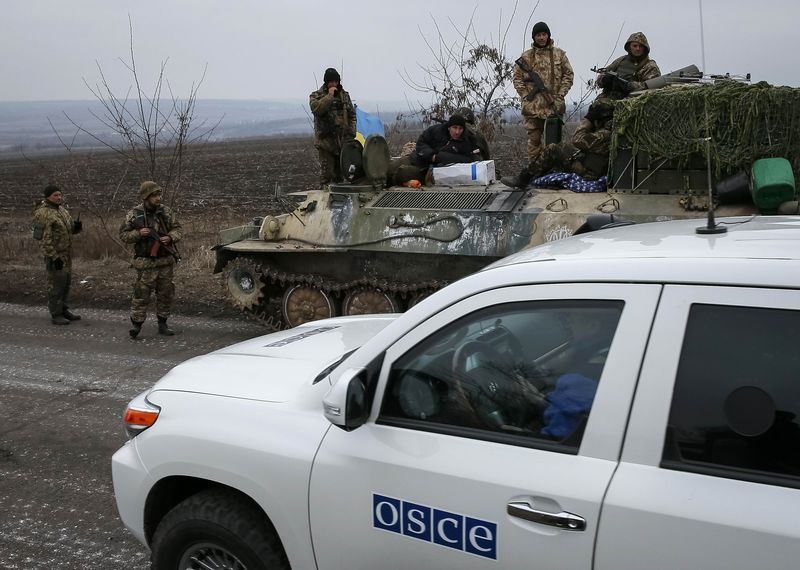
162 219
593 140
55 226
633 71
553 67
334 118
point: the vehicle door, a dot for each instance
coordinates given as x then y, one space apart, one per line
710 471
494 431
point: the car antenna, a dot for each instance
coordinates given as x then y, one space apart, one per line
711 226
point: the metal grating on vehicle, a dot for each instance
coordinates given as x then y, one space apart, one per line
409 200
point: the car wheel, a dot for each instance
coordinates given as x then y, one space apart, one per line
217 528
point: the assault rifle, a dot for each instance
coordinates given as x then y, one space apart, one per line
533 77
155 236
616 81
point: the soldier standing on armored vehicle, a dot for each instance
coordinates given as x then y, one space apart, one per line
542 76
54 227
334 123
628 73
153 230
586 155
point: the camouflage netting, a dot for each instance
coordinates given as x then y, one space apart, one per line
747 122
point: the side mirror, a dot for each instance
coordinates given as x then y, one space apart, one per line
345 405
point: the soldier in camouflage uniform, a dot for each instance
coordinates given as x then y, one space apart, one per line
586 155
552 67
334 123
153 230
629 72
54 227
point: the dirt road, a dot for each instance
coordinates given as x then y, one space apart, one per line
62 393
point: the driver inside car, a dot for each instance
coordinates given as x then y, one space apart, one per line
570 401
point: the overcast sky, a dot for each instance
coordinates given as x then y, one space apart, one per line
278 49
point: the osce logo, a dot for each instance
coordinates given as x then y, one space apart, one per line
430 524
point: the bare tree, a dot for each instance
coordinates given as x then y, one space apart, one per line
150 131
467 72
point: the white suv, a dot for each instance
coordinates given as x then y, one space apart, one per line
621 399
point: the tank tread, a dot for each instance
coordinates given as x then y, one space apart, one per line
332 286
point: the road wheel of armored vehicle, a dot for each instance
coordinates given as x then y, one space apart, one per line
244 283
368 300
303 303
217 528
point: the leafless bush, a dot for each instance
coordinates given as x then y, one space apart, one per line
465 72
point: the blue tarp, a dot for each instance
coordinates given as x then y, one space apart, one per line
367 124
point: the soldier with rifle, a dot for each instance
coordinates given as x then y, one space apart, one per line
629 72
542 76
153 229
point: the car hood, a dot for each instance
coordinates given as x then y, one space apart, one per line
275 366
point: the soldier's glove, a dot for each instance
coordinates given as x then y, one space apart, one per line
605 81
77 226
58 264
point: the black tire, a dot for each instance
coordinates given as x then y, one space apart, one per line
217 523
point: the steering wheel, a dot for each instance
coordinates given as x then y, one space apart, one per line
490 388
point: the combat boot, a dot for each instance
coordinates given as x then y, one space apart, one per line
520 181
59 320
70 316
136 329
163 328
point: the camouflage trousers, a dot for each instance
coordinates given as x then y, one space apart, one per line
563 157
58 282
153 276
534 127
329 168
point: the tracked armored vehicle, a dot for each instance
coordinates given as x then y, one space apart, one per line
363 248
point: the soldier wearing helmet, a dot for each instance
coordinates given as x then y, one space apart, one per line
153 230
630 71
586 155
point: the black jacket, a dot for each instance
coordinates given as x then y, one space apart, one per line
435 140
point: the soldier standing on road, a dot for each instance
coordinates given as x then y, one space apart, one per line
54 227
153 229
542 76
629 72
334 123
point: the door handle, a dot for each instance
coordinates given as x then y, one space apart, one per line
562 520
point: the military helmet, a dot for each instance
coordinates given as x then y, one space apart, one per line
600 109
147 189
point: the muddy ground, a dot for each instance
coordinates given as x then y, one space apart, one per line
224 184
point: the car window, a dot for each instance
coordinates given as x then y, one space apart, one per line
526 371
736 399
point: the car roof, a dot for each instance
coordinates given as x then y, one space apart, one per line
752 237
755 250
